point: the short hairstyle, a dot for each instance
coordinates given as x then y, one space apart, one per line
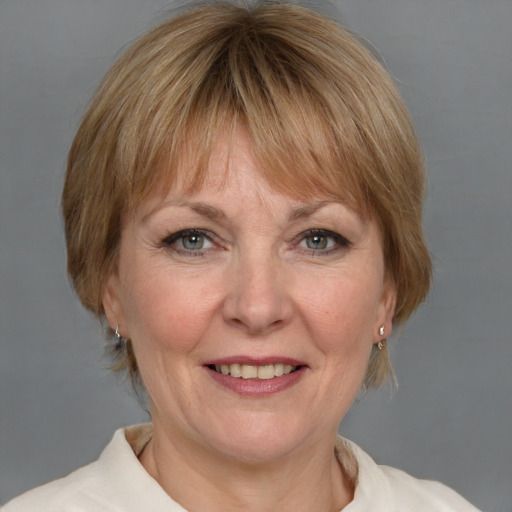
320 111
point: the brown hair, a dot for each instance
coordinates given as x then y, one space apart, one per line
321 113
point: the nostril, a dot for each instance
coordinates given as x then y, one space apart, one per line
256 326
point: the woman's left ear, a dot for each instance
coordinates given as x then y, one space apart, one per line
385 312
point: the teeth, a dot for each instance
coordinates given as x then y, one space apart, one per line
266 372
249 371
235 370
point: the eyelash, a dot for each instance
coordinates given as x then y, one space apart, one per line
339 242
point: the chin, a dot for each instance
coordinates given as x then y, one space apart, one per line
259 440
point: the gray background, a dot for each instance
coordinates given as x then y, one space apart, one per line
451 418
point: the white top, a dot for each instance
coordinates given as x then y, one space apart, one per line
118 482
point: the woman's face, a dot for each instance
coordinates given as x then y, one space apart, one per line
252 314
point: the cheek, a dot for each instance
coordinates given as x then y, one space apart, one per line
341 312
167 314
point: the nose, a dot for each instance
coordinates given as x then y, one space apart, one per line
258 301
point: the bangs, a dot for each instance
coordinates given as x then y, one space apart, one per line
249 78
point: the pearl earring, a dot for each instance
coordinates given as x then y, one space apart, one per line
380 344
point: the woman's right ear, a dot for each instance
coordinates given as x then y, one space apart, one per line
111 302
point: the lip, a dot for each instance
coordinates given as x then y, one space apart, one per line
256 387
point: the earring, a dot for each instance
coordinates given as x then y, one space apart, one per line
381 343
120 341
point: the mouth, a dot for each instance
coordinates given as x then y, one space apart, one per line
256 377
251 371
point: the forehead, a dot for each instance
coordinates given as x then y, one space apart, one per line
234 187
233 166
232 178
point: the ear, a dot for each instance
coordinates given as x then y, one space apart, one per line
385 312
112 304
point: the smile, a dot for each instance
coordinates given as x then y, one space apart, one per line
249 371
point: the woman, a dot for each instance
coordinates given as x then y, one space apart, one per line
243 209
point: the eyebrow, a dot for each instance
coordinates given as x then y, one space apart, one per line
214 213
211 212
307 210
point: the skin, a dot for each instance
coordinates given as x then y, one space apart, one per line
261 286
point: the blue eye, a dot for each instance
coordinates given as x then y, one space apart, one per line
193 242
323 241
189 240
317 242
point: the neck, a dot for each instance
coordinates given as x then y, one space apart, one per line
200 479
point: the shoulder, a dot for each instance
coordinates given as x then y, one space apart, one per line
77 490
104 485
391 490
423 495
